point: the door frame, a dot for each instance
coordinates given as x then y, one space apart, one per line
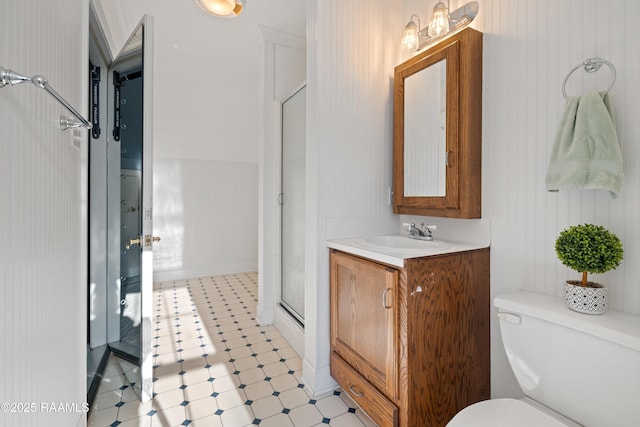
278 75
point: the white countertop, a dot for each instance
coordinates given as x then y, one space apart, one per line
381 249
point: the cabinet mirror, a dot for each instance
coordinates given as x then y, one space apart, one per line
437 129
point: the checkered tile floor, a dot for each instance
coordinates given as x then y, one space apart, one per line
215 366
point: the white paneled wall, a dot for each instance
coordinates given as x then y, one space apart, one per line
351 52
355 59
527 53
43 215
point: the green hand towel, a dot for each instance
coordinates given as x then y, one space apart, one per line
586 154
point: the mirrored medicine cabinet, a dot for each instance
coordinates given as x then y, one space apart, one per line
438 129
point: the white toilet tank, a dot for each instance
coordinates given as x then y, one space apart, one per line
586 367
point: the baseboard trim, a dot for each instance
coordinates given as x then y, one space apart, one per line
167 276
319 382
264 316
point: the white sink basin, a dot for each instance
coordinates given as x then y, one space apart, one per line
396 249
403 243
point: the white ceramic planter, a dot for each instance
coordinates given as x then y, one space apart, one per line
589 300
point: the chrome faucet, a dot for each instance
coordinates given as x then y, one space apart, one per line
421 232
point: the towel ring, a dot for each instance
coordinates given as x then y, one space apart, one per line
590 65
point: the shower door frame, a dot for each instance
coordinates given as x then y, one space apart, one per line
284 199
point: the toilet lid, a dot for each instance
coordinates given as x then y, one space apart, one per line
503 413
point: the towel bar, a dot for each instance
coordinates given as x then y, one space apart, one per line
590 65
8 77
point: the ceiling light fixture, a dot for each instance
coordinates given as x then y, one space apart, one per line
222 8
442 24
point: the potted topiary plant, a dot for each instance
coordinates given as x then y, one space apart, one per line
587 249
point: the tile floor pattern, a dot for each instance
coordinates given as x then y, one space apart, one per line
215 366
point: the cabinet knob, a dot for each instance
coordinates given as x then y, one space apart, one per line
428 282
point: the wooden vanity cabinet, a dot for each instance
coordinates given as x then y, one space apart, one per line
364 324
411 345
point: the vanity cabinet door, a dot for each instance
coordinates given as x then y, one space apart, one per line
448 335
364 309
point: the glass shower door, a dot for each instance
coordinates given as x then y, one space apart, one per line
292 204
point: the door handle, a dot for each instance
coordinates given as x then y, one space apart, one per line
133 242
384 299
355 393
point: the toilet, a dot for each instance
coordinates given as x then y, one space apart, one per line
575 369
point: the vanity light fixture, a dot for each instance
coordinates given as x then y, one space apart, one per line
222 8
443 23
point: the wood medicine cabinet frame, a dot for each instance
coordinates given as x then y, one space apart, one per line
463 181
